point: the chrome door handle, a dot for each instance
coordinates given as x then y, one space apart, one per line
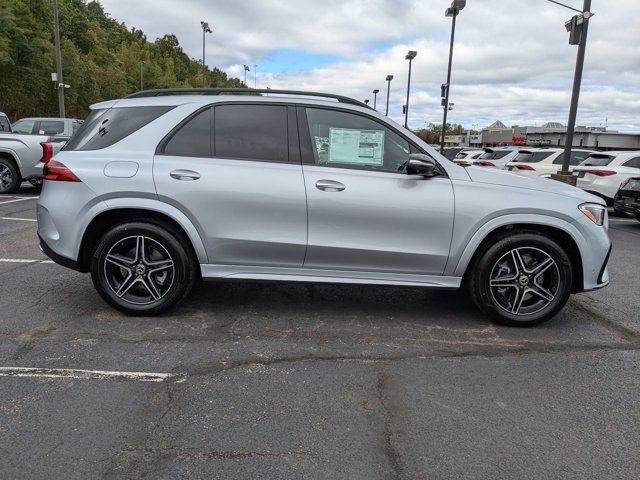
329 186
185 175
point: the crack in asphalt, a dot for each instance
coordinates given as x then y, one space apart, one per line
390 430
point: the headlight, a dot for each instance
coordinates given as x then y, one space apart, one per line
593 212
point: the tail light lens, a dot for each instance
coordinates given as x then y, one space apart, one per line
484 163
464 163
602 173
525 167
47 152
57 171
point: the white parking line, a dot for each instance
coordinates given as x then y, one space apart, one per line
19 219
23 260
82 374
19 199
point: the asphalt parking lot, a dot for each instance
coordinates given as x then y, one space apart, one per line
264 380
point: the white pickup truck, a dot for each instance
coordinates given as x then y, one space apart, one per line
20 153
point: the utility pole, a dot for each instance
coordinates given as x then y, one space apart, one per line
578 26
141 75
205 29
388 79
59 79
246 69
255 76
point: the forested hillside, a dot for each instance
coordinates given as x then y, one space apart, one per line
101 59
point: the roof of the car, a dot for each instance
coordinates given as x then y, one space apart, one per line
49 118
614 153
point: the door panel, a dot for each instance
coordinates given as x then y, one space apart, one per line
389 222
249 213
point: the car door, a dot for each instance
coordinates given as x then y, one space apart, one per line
364 213
229 170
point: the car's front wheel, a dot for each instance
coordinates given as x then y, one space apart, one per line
142 268
521 279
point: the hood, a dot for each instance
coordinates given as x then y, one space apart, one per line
503 177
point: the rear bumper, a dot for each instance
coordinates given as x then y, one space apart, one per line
59 259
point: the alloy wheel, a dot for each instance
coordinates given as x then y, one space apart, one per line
6 178
139 270
524 281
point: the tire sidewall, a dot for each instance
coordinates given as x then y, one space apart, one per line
496 251
15 184
183 268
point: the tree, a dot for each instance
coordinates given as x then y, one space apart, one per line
432 134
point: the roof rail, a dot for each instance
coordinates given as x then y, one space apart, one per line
241 91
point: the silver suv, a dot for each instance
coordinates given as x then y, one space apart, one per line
164 187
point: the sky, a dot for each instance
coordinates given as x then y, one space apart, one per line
512 59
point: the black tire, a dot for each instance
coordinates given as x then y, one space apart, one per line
9 176
524 296
142 285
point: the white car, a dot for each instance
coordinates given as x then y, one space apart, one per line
602 173
466 157
542 162
496 157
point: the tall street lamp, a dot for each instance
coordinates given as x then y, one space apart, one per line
246 69
141 75
578 28
59 79
205 29
366 101
409 56
452 11
255 75
388 79
375 98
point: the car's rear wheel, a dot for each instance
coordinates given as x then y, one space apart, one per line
521 279
9 176
142 268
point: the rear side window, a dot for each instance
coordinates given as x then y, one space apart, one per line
576 158
495 155
252 132
107 127
598 161
532 157
24 126
193 139
51 127
633 163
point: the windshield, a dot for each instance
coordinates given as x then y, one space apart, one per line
531 157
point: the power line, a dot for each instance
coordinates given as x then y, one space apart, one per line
565 6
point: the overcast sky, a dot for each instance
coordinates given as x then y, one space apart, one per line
512 60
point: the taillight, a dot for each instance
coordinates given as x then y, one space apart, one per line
484 163
47 152
525 167
464 163
602 173
57 171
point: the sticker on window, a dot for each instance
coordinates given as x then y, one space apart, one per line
361 147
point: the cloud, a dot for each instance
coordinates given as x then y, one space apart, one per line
512 60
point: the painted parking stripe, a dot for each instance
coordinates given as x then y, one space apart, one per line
19 219
83 374
23 260
19 199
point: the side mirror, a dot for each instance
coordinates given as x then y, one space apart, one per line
420 164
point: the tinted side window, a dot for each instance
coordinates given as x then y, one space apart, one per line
633 163
24 126
193 139
51 127
576 158
350 140
107 127
253 132
597 161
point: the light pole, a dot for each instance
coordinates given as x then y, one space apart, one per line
375 98
409 56
205 29
366 101
59 79
246 69
453 12
578 27
255 76
388 79
141 75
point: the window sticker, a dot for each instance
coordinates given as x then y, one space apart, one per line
322 147
361 147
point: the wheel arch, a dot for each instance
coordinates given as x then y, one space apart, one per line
114 216
563 237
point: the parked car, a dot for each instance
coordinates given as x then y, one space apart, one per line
627 199
496 157
602 173
467 156
542 162
451 152
5 124
297 187
61 128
